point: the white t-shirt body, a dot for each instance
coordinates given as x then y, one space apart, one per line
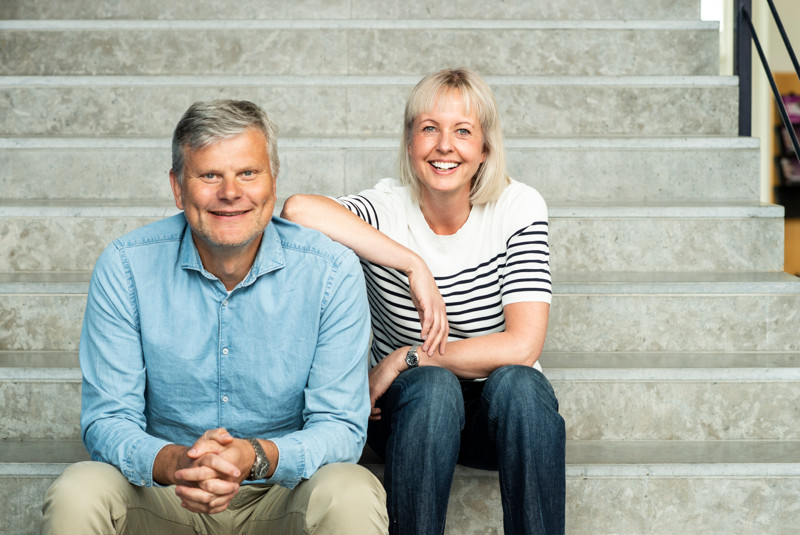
498 257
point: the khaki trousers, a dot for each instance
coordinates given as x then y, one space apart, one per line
92 497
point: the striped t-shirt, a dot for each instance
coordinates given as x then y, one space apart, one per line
498 257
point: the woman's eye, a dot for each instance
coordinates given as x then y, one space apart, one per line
428 129
463 132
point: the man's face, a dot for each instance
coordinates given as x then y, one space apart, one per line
227 194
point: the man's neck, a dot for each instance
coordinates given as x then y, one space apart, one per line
229 264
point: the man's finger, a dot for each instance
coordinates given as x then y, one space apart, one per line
211 441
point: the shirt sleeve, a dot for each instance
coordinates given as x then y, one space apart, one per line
382 206
112 398
526 271
337 393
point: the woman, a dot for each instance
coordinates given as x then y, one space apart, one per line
456 261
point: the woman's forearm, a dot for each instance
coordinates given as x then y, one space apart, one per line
341 225
520 343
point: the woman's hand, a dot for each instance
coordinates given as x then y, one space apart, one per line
382 375
431 308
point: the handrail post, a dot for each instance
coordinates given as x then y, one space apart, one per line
742 65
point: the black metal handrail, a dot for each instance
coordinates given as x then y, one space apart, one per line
745 33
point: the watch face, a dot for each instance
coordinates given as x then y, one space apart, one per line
411 358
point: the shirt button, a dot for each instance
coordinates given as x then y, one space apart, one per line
224 399
225 303
225 351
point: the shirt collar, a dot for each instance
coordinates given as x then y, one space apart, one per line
268 258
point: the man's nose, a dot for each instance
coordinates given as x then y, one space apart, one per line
230 188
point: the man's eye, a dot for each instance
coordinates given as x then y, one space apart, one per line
249 173
209 176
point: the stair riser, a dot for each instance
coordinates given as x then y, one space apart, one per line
358 9
286 51
558 173
643 505
40 410
667 410
579 323
593 410
583 244
593 244
653 505
652 322
362 111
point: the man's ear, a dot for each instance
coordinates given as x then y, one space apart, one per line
176 188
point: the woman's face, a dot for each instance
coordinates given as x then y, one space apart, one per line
446 148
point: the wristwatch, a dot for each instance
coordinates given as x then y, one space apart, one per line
261 464
411 357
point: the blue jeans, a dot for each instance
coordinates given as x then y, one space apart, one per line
509 423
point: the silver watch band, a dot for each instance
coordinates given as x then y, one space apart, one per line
260 464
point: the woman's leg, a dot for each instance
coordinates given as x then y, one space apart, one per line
513 425
418 436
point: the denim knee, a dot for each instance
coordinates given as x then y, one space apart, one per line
430 393
511 388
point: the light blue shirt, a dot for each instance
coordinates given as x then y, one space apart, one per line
167 352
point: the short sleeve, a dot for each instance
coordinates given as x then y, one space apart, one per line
526 272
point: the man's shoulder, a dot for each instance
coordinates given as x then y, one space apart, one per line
305 241
170 229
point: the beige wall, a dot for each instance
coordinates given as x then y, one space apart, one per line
779 60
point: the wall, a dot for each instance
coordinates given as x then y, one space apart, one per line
779 60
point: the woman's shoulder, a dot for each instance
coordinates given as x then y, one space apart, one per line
520 198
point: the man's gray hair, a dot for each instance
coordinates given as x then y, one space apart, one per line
205 123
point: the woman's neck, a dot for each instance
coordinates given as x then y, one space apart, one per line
445 216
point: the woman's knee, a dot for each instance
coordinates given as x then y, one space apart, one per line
424 404
512 386
427 385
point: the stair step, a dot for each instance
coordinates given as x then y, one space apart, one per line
652 487
346 9
683 312
603 396
676 169
357 47
69 235
618 312
367 106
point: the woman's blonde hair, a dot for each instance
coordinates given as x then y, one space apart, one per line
490 179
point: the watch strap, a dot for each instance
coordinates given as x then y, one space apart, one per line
260 464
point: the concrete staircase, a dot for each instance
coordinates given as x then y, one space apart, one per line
673 344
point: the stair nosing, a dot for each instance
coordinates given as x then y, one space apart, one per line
582 81
391 142
352 24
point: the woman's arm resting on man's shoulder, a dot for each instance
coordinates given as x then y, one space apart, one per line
339 224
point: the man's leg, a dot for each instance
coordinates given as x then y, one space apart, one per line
95 498
418 436
514 426
339 498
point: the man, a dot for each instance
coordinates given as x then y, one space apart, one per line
222 347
